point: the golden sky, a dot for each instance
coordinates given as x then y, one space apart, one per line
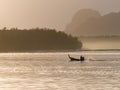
48 13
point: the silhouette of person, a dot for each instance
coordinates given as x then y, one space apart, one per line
82 58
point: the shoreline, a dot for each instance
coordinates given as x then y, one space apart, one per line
46 51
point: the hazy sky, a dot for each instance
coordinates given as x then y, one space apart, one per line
48 13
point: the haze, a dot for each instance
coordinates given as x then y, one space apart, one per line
48 13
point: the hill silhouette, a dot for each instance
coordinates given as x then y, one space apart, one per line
16 40
87 22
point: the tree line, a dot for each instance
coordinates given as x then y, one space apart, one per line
17 40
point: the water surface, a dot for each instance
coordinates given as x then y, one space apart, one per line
53 71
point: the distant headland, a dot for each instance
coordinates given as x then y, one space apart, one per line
30 40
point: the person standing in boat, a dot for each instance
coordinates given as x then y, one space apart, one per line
82 58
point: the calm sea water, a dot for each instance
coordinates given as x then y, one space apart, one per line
53 71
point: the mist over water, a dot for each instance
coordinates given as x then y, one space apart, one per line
101 43
53 71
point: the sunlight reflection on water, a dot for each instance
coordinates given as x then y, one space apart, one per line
53 71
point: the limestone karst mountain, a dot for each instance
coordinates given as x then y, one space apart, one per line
87 22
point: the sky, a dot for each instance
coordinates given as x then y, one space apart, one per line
55 14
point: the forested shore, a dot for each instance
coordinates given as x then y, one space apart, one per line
36 39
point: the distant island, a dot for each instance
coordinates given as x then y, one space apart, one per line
88 22
29 40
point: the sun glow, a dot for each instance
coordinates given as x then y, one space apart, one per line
48 13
